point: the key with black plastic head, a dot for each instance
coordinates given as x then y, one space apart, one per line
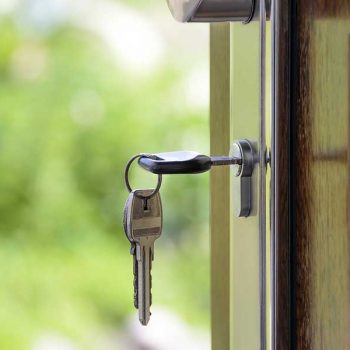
182 162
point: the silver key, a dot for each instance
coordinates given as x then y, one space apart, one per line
143 226
127 208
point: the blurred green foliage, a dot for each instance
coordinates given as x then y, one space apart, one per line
67 128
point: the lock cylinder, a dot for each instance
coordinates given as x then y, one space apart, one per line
214 10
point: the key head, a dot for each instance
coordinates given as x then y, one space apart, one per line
182 162
143 218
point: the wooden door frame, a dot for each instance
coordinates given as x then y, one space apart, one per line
294 324
281 175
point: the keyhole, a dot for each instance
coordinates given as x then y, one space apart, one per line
145 205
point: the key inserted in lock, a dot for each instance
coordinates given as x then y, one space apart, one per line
183 162
187 162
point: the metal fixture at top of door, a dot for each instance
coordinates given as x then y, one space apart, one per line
215 10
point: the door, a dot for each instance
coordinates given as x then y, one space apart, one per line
280 277
309 292
239 242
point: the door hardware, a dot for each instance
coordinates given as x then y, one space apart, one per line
242 159
215 10
242 180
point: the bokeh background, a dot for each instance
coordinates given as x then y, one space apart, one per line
84 85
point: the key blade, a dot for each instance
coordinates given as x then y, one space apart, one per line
144 256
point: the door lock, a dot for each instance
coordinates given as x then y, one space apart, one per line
242 180
242 160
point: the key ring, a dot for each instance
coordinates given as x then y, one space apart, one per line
126 177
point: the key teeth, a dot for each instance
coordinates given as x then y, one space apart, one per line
135 271
136 295
150 289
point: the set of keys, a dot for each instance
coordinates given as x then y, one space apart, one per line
143 214
143 225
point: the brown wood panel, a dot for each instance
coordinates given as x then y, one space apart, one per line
280 165
331 9
320 178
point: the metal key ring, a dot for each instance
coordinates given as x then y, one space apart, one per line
126 176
